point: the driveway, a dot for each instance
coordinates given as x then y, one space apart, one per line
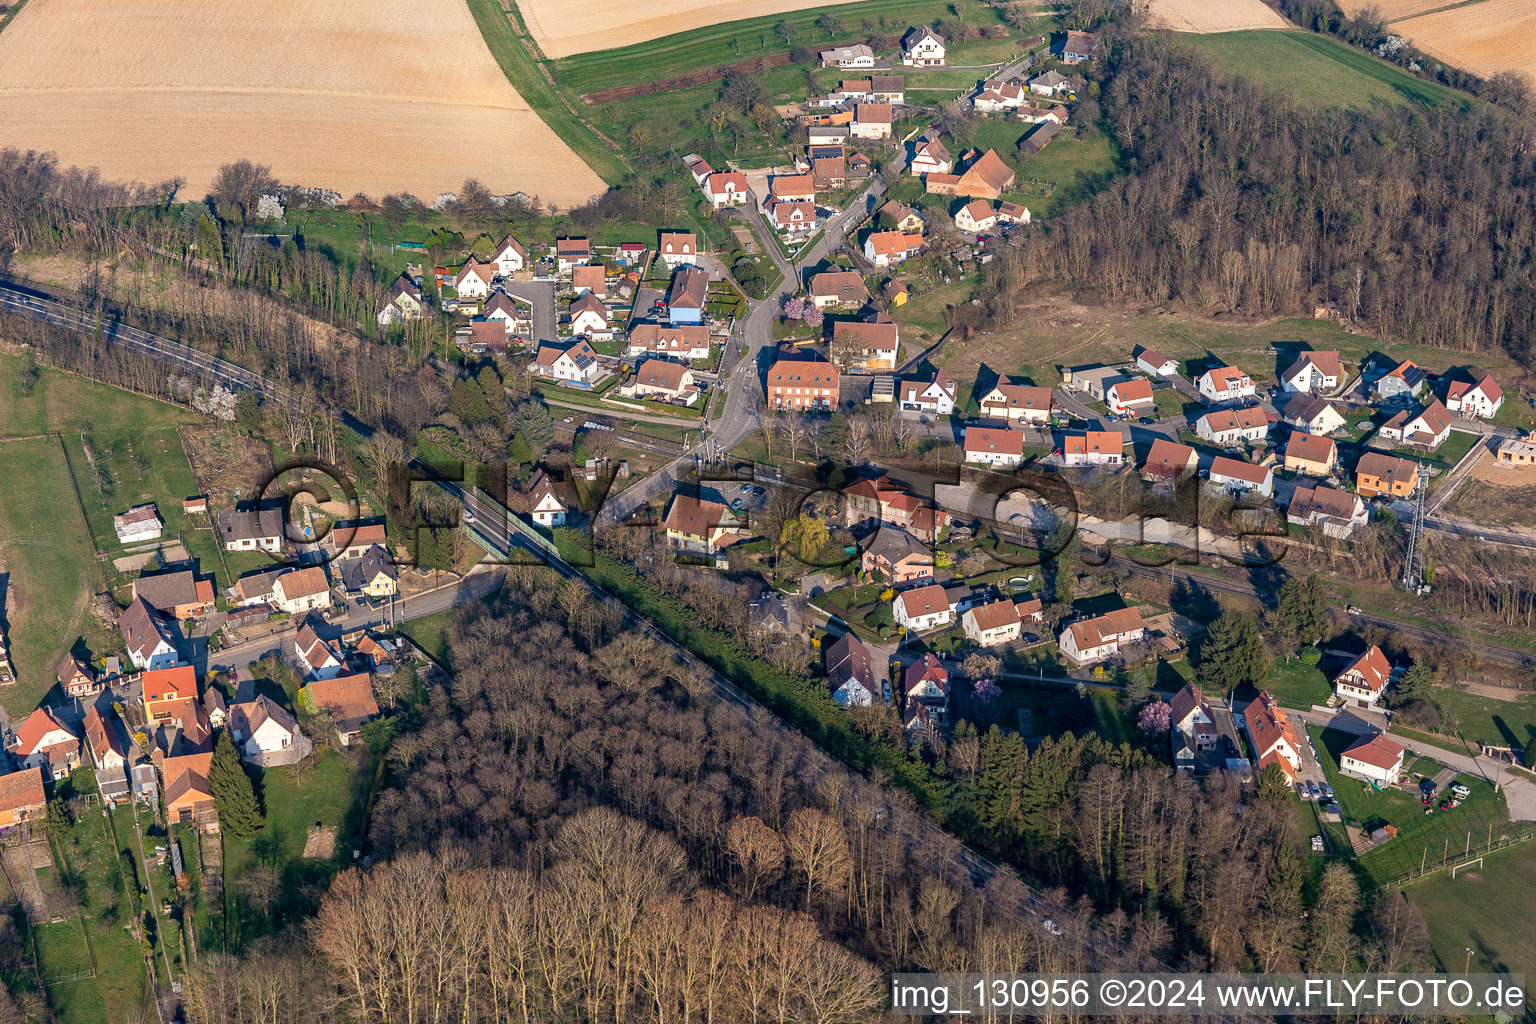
541 295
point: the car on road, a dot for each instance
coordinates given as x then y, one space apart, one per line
738 505
469 517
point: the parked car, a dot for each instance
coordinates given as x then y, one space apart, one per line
746 488
1312 790
1301 790
1327 791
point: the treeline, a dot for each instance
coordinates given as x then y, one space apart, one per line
1418 222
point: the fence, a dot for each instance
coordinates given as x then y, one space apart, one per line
1454 859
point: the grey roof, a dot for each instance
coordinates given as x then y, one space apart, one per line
357 573
893 544
251 524
167 590
141 626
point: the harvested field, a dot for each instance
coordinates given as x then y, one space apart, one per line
562 27
1498 496
1484 38
1204 16
350 96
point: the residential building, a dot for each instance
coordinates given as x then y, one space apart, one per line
1314 373
987 177
351 539
1031 114
1313 415
262 730
922 47
501 309
1052 83
890 89
672 341
473 281
1131 397
21 797
486 335
849 674
252 528
1376 758
1364 680
994 623
178 595
1337 512
188 797
926 682
976 216
726 188
1093 448
922 609
698 526
1013 213
1233 426
572 252
865 344
794 219
216 707
591 278
678 249
936 397
1272 735
372 575
302 590
1192 729
1405 380
589 316
808 384
1169 462
902 217
688 295
576 365
888 248
1427 428
929 156
1515 452
663 379
838 288
1311 455
104 743
1225 384
1239 478
872 121
349 699
139 524
163 688
858 55
148 640
792 188
42 741
195 506
546 502
897 557
1078 47
1482 399
76 678
511 256
1156 364
878 500
1379 474
319 659
828 172
1095 640
1000 97
1018 403
993 446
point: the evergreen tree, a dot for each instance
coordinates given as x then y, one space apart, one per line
1414 684
233 795
1233 654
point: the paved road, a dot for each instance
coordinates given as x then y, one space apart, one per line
541 295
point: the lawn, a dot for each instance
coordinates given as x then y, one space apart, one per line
1455 448
1076 166
1422 838
62 401
430 633
1296 684
928 311
1485 720
1486 910
1315 70
50 566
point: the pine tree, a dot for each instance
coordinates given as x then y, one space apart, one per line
233 795
1233 654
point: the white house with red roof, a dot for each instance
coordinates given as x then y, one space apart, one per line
1427 428
994 446
1192 729
42 741
577 364
320 659
1129 397
1272 735
888 248
1376 758
1023 403
935 396
1313 373
926 683
725 188
1090 641
511 256
923 609
678 249
1365 679
1237 477
1156 364
474 279
1482 399
1093 448
997 622
1225 384
1229 426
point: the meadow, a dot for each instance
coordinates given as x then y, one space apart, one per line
1486 910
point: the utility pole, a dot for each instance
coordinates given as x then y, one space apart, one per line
1413 576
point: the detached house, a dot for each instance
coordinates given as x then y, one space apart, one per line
589 316
898 557
302 590
577 365
591 278
474 278
929 157
1018 403
1272 735
248 528
888 248
373 575
866 344
21 797
726 188
997 622
697 526
849 675
165 688
792 188
993 446
1311 455
1130 397
147 638
1155 364
401 301
902 217
572 252
1376 758
263 732
1225 384
1052 83
1231 426
838 288
922 47
1192 729
179 595
1238 478
1428 428
936 397
1090 641
76 678
665 380
976 216
188 797
879 500
1313 415
350 701
1093 448
1337 512
545 503
1169 462
872 121
926 682
511 256
1405 380
1377 473
1314 373
856 56
1365 679
923 609
1481 400
42 741
793 218
678 249
106 748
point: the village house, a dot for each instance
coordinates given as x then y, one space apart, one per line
1000 97
1311 455
188 797
474 278
350 701
803 384
1096 640
1428 428
698 526
1018 403
1313 415
371 575
1238 478
1403 381
898 557
400 301
1078 47
793 219
922 609
149 642
21 797
994 623
688 295
1313 373
163 688
929 156
828 172
1192 727
663 379
1272 735
936 397
179 595
572 252
510 257
76 678
888 248
1052 83
725 188
1337 512
215 707
301 590
678 249
890 89
1093 448
1376 758
976 216
502 310
252 528
901 217
576 365
922 47
1225 384
698 167
926 682
865 344
103 742
1379 473
1480 400
877 500
987 177
1155 364
849 675
196 505
1169 462
352 538
484 336
589 316
858 55
1132 397
317 657
1013 213
591 278
993 446
1515 452
139 524
838 288
1232 426
42 741
263 731
792 188
1364 680
546 504
672 341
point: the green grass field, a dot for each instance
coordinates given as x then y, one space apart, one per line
1487 910
1074 165
1315 70
1485 720
62 401
1296 684
430 632
51 568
